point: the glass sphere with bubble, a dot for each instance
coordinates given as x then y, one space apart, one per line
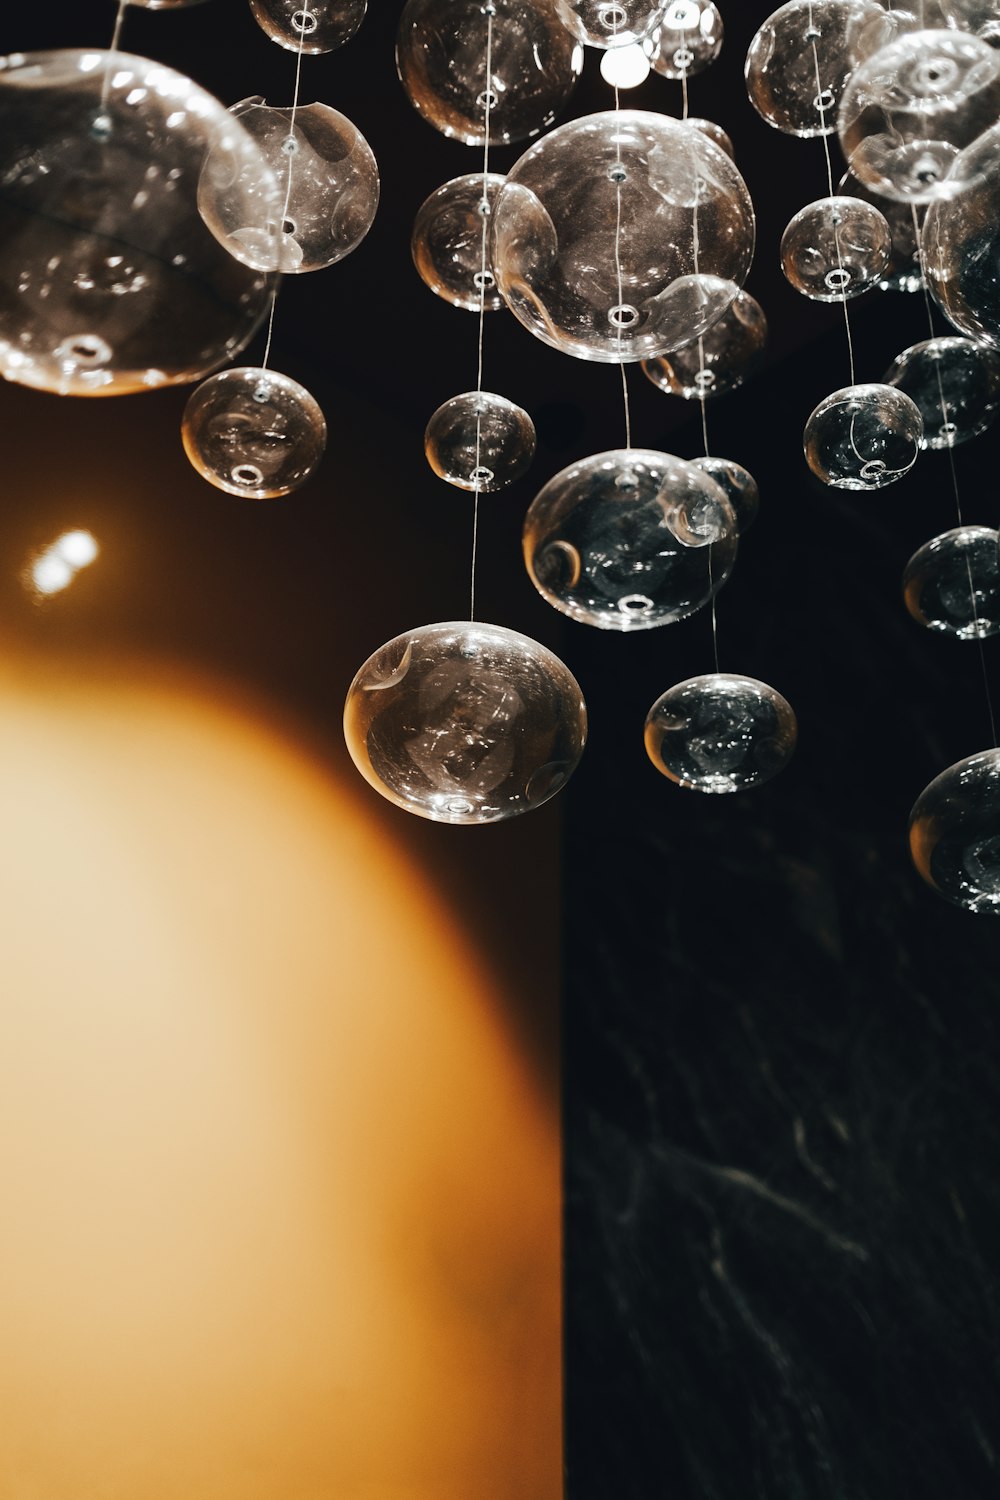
952 583
955 833
687 38
955 383
738 485
720 360
629 539
836 249
479 441
621 235
720 733
806 40
863 437
447 241
309 26
441 60
609 23
465 722
253 432
961 242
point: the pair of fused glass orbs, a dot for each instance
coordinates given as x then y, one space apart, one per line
720 733
952 583
309 26
719 360
863 437
253 432
955 833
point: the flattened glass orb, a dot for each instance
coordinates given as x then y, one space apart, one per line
479 441
836 249
955 383
447 242
782 65
629 539
674 204
863 437
110 279
720 360
961 241
687 39
465 723
952 583
738 485
253 432
902 272
907 111
309 26
441 61
720 733
955 833
609 23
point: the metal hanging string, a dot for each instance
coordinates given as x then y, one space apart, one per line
291 147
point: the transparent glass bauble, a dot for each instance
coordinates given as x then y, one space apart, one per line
253 432
465 723
479 441
111 280
955 383
902 272
714 132
961 242
447 242
836 249
441 61
309 26
688 38
738 486
629 539
720 733
720 360
955 833
803 40
952 583
609 23
907 111
863 437
621 235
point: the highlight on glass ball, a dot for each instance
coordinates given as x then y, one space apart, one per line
479 441
717 362
720 733
609 23
714 132
465 722
836 249
738 485
163 4
952 583
309 26
955 833
447 242
961 242
441 62
112 281
630 539
687 39
955 383
902 272
624 67
621 235
863 437
253 432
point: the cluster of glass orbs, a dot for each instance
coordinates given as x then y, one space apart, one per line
720 733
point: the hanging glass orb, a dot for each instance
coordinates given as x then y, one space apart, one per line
952 583
961 241
479 441
609 23
110 278
309 26
687 39
253 432
714 132
781 65
629 539
836 249
727 354
863 437
465 722
720 733
902 272
955 833
738 486
447 242
956 385
441 61
621 235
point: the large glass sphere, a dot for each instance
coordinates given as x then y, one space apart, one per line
687 39
253 432
609 23
902 272
952 583
465 723
447 241
441 61
110 278
720 360
720 733
799 41
907 111
955 833
479 441
863 437
737 484
309 26
955 383
629 539
622 235
836 249
961 242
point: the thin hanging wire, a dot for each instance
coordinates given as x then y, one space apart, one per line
291 147
823 106
619 174
484 209
112 50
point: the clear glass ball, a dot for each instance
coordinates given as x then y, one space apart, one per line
863 437
447 242
675 205
609 23
781 66
836 249
738 485
720 733
903 271
688 38
479 441
955 833
961 242
952 583
309 26
441 61
111 280
629 539
465 723
720 360
956 384
253 432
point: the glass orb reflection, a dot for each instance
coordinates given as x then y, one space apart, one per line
836 249
253 432
720 360
955 383
720 733
863 437
799 41
687 39
447 242
961 242
609 23
955 833
309 26
465 722
479 441
952 583
738 485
